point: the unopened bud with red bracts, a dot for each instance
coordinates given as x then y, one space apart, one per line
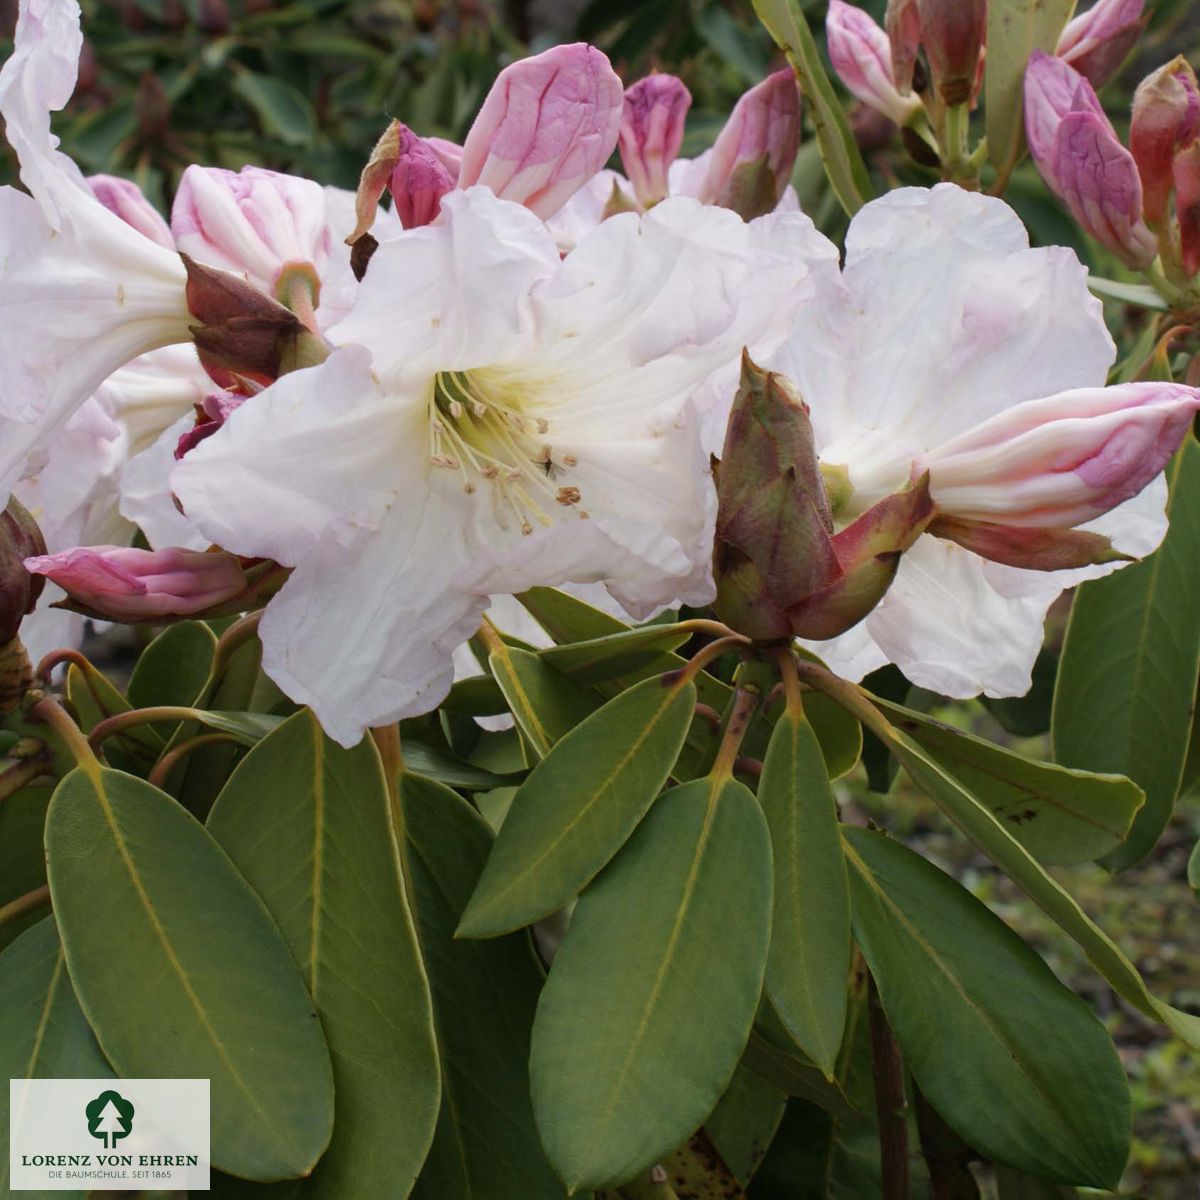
125 198
242 333
20 537
752 159
782 570
652 132
1187 206
547 126
125 584
952 32
1099 40
1166 119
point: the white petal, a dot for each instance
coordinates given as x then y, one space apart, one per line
453 295
314 459
365 635
946 625
151 393
146 498
852 655
583 212
945 318
74 306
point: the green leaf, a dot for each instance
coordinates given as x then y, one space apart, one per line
617 654
787 24
1013 1185
94 698
182 973
174 668
810 932
653 991
1058 815
579 805
744 1122
22 861
797 1077
544 703
994 839
450 770
570 620
1127 679
484 995
1193 869
1016 28
43 1033
1016 1064
1140 294
309 825
283 110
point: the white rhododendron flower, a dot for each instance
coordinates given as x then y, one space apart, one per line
81 292
495 417
948 345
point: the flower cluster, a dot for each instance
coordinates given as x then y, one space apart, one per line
516 375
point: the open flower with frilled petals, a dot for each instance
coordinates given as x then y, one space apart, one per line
81 291
496 416
948 346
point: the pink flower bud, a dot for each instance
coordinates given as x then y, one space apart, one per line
418 181
124 584
1187 205
449 154
652 132
903 24
1166 117
1064 460
251 222
862 56
1098 41
1082 160
547 126
124 197
752 158
953 32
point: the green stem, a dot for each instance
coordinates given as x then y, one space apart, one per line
80 748
1156 277
22 905
22 774
955 156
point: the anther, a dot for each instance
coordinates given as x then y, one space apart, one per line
568 495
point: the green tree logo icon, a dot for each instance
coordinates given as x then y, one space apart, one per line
109 1118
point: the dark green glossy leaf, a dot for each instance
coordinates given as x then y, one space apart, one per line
810 931
447 769
175 667
744 1122
309 825
94 698
1012 1185
484 996
1015 1063
544 703
579 805
1127 679
142 892
795 1076
615 655
995 840
653 992
1058 815
844 166
22 860
570 620
43 1033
